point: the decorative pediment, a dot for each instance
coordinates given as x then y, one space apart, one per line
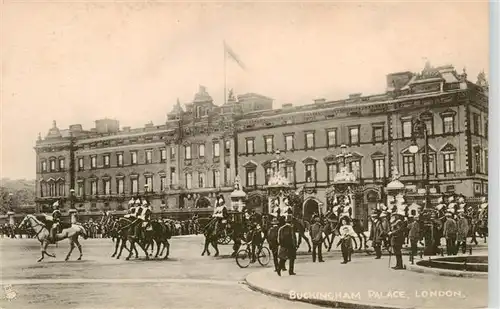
448 148
353 156
162 173
378 155
106 177
310 160
406 151
134 176
427 115
448 112
120 176
330 159
148 174
431 150
266 164
60 179
250 165
93 176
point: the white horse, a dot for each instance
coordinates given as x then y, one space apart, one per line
42 233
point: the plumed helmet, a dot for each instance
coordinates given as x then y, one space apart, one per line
461 200
131 202
440 200
144 202
138 202
451 199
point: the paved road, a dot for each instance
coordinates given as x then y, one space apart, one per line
186 280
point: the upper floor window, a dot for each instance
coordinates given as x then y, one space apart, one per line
448 124
149 156
172 153
107 186
432 164
189 181
269 144
407 128
310 172
378 168
80 189
477 159
163 183
216 180
133 157
44 166
250 178
93 187
476 123
227 147
119 186
134 185
80 164
227 175
148 184
290 174
289 142
201 151
250 146
354 135
187 152
449 162
355 168
62 164
216 149
378 133
119 159
269 173
408 165
201 180
332 171
310 140
163 155
93 162
332 137
52 165
106 160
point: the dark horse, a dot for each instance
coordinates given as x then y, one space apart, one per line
159 232
301 226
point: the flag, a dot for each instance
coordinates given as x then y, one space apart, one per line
228 51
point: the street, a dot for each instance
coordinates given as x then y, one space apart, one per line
185 280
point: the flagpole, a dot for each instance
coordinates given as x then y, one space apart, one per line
225 79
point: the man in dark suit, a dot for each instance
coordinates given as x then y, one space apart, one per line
450 233
316 234
376 235
397 235
414 235
272 240
287 246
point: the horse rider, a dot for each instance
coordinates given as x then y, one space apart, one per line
146 215
131 210
220 214
56 220
287 246
397 235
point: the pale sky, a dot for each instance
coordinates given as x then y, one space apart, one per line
76 62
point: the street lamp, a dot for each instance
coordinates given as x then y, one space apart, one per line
419 130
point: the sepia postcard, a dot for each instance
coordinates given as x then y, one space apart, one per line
244 154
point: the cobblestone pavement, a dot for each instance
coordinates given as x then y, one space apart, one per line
186 280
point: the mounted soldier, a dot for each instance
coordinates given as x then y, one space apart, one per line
146 215
220 214
56 221
131 210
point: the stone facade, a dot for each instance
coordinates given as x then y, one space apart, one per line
202 147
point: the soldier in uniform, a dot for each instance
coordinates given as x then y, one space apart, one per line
414 234
397 235
272 240
450 233
287 246
384 223
131 210
146 215
316 234
56 220
376 235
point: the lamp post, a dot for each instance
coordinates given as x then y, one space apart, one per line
419 130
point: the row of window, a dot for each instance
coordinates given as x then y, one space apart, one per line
354 167
54 165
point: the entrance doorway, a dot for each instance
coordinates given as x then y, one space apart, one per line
310 207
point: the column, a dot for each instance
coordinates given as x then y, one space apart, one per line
233 160
178 168
222 163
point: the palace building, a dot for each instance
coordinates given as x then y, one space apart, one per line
200 149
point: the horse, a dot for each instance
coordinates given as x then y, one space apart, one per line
478 222
42 233
159 233
300 227
211 238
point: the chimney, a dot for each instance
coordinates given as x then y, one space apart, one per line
355 96
287 105
319 101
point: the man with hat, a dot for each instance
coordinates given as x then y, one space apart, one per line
414 234
397 236
272 240
376 235
316 234
462 231
347 234
450 233
56 220
287 246
384 223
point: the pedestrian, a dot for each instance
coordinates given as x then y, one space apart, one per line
397 238
384 222
316 234
414 235
347 234
450 233
272 240
287 246
376 235
462 231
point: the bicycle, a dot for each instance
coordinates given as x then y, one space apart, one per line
243 257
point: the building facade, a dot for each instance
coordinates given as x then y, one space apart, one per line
197 153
